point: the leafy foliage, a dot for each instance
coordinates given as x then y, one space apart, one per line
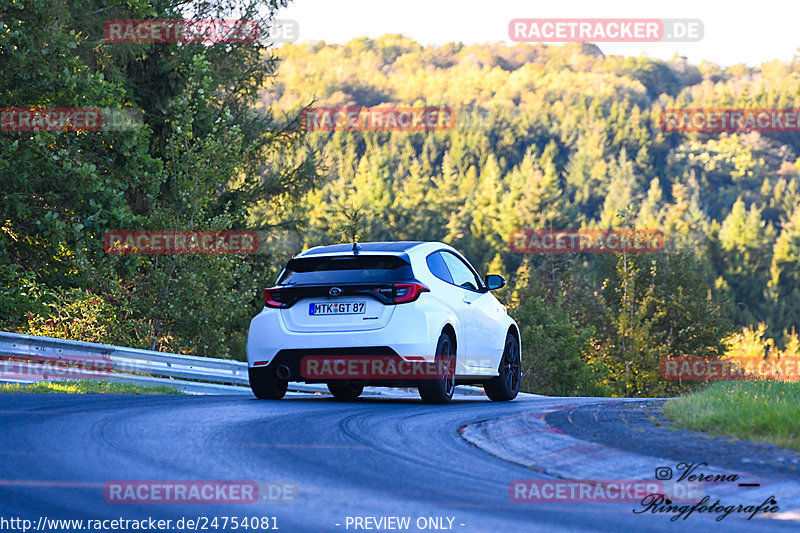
565 137
203 157
545 137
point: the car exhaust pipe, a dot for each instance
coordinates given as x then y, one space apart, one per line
283 372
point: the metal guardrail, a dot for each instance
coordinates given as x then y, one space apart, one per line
131 365
139 367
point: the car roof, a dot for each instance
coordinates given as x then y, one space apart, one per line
386 246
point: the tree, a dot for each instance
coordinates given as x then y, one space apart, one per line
784 283
622 190
553 344
745 268
196 162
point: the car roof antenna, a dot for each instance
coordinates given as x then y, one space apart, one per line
356 248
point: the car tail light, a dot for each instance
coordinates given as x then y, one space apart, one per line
408 292
272 298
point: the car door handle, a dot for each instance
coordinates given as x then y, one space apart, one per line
466 299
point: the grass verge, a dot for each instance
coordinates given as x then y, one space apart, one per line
86 386
761 411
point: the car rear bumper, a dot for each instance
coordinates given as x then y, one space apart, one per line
406 336
290 362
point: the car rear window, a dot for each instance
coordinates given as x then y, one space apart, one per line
346 269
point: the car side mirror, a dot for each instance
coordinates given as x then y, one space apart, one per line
494 281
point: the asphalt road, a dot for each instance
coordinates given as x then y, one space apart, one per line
374 458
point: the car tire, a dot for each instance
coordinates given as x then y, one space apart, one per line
345 392
440 390
505 387
265 384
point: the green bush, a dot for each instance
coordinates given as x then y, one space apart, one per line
553 351
27 306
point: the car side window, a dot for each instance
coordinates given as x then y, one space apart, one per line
438 267
461 273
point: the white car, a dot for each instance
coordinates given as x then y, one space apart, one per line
413 314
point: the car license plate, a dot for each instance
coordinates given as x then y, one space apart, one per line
346 308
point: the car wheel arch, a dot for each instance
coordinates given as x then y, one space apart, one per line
513 329
451 331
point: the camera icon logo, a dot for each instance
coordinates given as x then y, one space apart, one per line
663 473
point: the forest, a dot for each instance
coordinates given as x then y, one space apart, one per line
545 137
